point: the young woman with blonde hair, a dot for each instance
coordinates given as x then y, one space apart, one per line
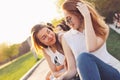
85 44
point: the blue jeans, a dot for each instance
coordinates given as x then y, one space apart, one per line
92 68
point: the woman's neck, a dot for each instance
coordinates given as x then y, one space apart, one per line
81 28
53 48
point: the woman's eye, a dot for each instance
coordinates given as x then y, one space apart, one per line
68 19
43 37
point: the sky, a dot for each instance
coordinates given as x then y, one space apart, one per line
17 17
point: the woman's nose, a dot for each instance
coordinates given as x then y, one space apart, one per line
49 36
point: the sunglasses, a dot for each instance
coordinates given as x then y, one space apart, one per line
68 20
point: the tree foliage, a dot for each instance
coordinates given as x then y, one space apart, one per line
105 8
8 51
55 22
11 51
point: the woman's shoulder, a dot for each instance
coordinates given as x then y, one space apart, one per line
60 35
70 33
45 51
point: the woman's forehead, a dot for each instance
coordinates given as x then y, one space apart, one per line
42 31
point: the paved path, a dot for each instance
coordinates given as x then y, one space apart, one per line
41 68
38 71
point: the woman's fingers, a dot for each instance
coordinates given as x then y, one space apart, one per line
82 8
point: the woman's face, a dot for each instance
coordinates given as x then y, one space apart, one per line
46 36
72 20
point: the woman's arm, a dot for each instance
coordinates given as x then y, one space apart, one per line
53 68
50 63
71 64
93 42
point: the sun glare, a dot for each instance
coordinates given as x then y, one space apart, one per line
18 16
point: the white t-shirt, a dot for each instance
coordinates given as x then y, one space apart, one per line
76 41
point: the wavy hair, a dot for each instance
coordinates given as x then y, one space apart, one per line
36 42
97 21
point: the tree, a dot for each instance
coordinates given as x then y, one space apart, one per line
107 8
11 51
55 22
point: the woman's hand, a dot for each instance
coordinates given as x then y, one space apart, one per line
83 9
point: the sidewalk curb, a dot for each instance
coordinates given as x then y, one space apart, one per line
32 70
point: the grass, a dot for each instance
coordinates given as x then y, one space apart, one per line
17 69
113 44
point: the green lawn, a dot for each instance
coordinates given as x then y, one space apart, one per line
18 68
113 44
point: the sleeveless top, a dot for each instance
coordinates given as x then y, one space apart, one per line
76 41
57 58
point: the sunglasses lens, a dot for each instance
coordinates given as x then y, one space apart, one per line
68 20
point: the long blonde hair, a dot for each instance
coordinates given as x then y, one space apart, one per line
97 21
36 42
